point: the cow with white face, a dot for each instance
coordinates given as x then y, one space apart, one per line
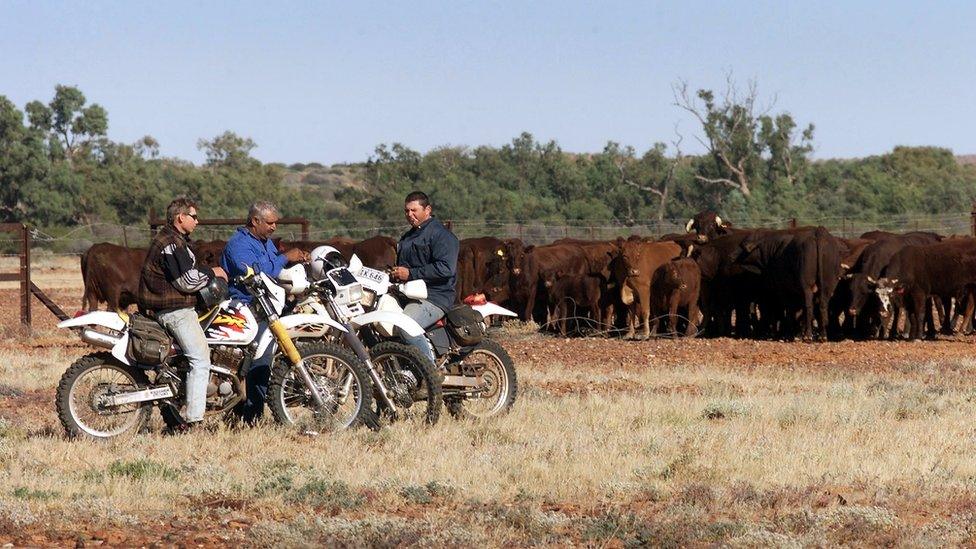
884 288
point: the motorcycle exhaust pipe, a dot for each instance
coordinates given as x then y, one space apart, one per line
99 339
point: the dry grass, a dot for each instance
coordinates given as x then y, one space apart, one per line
672 455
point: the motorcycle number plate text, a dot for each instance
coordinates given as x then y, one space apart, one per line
372 274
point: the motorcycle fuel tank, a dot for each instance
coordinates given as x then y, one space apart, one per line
234 325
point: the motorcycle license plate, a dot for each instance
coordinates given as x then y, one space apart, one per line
373 274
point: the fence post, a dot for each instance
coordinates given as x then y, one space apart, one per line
25 282
972 219
793 223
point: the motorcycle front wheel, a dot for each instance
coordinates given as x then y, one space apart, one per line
413 378
341 380
497 396
81 393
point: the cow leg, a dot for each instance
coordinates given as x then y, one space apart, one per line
673 301
692 329
896 314
947 327
561 312
929 318
967 320
645 310
631 316
915 305
824 318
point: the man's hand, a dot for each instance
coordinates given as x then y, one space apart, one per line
295 255
220 273
401 273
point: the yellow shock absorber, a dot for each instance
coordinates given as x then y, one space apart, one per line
287 345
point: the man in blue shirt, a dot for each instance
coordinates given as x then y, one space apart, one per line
251 246
428 252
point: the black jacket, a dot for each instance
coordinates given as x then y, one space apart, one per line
430 252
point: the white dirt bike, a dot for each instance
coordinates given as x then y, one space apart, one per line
105 395
406 384
479 379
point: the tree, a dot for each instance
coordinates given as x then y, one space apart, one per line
147 147
23 162
228 150
72 127
747 145
653 173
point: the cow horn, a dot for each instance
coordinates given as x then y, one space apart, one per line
718 220
872 280
845 266
691 248
688 226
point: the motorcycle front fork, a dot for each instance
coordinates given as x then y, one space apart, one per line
357 346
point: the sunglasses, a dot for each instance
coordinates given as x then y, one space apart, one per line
194 216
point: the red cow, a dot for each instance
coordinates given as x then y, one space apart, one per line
111 275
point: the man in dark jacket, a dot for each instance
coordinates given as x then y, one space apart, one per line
428 252
167 290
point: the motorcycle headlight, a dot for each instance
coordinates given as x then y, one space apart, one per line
369 297
355 293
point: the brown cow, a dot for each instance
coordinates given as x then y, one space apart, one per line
111 275
378 252
540 260
208 252
479 260
581 292
637 263
942 270
676 284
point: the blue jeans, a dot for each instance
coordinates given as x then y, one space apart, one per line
257 380
186 330
426 314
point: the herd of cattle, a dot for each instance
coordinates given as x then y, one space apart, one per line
715 280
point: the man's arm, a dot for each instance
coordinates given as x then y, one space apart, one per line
444 249
180 271
241 252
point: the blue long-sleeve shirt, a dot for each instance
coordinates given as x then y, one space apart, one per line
243 250
430 252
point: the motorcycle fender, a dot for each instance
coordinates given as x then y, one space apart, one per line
109 319
301 326
118 351
400 320
489 309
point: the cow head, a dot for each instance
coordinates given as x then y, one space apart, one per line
708 225
515 255
672 276
862 286
498 288
629 253
886 289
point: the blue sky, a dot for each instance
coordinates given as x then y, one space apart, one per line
328 81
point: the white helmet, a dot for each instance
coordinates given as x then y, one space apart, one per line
323 259
293 279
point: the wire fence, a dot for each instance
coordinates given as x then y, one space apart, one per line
75 240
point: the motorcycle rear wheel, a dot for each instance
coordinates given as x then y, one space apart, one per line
331 368
85 383
498 371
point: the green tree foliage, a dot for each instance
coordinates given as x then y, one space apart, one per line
57 168
71 126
